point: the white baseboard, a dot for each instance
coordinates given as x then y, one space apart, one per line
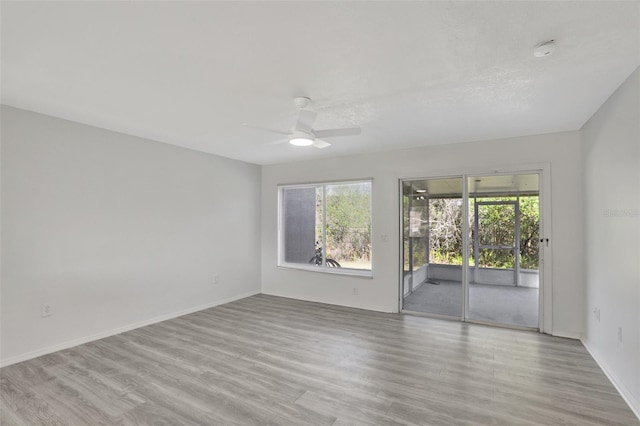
567 334
365 306
620 387
86 339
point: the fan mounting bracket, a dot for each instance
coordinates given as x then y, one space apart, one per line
301 102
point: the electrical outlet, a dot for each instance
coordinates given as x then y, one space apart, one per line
384 238
216 279
45 310
596 313
620 334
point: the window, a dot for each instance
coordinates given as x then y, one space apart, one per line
326 227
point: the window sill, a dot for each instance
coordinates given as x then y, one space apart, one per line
328 270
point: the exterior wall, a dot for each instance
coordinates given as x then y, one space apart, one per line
299 225
528 278
419 277
560 151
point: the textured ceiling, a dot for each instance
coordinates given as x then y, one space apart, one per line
410 73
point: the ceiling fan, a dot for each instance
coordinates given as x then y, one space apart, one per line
303 133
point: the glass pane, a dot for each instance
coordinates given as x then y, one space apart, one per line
445 230
406 250
348 226
496 258
529 232
499 291
302 230
496 224
432 215
418 232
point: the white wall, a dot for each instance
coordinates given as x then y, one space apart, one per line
115 231
561 150
611 167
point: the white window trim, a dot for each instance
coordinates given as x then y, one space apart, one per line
365 273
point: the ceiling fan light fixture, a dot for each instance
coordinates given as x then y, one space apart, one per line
301 141
303 133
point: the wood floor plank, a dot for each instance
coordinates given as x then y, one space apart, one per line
267 360
20 405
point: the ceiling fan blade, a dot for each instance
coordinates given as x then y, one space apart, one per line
305 121
320 144
264 129
329 133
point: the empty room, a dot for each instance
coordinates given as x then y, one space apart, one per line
320 213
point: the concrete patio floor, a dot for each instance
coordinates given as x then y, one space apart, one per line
494 303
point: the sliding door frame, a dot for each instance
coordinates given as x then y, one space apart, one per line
545 301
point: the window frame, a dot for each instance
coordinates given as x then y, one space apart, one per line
366 273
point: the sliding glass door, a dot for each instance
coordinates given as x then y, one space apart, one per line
503 256
432 249
491 225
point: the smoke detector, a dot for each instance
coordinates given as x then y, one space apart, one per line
545 48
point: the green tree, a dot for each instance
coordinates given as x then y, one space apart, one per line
529 231
349 222
495 227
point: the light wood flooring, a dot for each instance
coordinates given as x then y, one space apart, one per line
269 360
